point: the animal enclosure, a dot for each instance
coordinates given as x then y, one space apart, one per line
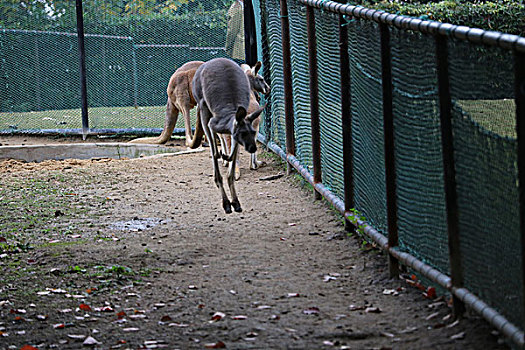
412 129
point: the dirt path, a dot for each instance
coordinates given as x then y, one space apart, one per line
138 254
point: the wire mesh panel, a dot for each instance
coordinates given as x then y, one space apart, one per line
132 49
35 79
327 32
276 101
419 161
300 83
484 123
367 121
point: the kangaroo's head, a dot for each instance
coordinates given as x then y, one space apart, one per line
257 82
243 131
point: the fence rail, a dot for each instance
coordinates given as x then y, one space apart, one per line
425 76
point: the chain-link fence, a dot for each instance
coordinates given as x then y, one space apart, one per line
453 212
130 52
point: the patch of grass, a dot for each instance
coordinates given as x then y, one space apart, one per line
99 117
497 116
32 208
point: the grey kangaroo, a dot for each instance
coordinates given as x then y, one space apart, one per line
222 92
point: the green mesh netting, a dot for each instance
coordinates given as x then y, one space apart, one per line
300 85
276 119
131 51
485 148
419 163
367 121
327 33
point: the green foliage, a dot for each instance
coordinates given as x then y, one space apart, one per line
500 15
147 21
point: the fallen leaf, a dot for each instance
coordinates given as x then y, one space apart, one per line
453 324
293 295
408 330
328 343
3 240
132 329
217 316
311 311
47 292
328 278
19 319
263 307
458 336
77 337
390 292
121 314
105 309
353 307
239 317
165 318
372 310
178 325
90 341
85 307
28 347
59 326
217 345
431 316
41 317
430 293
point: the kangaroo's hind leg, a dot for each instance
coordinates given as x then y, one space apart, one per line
254 163
205 115
232 175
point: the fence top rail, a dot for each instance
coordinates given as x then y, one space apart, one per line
25 31
475 35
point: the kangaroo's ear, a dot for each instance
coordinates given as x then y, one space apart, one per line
256 68
255 114
245 67
241 114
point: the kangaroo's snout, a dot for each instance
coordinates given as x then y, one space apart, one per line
251 148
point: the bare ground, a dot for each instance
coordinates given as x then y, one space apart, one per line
138 254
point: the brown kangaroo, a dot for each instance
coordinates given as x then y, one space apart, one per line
222 93
180 99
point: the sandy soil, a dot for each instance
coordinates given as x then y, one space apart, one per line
151 261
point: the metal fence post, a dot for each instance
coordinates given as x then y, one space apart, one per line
519 96
287 79
388 130
346 119
250 42
445 109
314 97
82 57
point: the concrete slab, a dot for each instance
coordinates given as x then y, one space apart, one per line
115 150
